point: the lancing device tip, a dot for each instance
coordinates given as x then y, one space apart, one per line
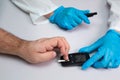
91 14
61 60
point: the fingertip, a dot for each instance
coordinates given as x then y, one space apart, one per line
80 49
84 49
66 57
97 65
51 54
84 67
69 27
86 20
115 66
54 54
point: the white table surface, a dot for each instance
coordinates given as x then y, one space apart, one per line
17 22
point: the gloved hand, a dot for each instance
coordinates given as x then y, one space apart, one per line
107 52
68 18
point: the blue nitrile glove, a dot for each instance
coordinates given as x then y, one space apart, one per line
107 51
68 18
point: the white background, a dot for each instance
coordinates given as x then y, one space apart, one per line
19 23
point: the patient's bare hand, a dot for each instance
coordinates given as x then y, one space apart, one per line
43 49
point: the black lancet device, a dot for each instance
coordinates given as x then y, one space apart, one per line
91 14
75 59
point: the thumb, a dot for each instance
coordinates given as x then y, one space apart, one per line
47 56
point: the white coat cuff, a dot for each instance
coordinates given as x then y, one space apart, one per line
39 18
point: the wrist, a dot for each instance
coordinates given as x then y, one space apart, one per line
22 47
48 15
114 31
55 13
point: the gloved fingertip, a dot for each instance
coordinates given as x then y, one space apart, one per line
116 66
87 21
95 66
84 68
82 50
69 27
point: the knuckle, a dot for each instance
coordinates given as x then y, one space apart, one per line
59 38
62 38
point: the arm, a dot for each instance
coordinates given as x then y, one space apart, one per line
65 17
32 51
9 44
36 8
114 20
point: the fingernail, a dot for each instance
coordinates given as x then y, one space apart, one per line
54 54
88 22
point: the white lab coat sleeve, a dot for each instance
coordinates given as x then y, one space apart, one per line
36 9
114 20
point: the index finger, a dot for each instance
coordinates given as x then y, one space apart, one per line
64 47
83 17
92 60
67 48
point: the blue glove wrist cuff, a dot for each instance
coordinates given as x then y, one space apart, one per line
114 31
56 12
